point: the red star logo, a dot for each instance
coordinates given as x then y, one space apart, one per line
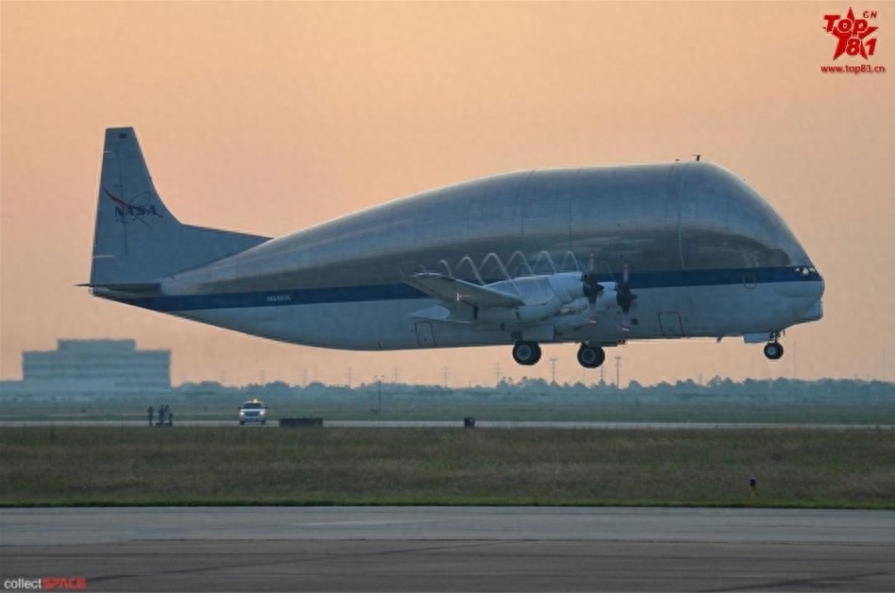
850 32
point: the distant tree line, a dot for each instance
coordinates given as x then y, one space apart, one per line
529 390
716 389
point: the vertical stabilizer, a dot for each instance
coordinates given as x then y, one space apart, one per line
137 239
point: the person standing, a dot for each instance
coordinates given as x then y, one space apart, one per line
149 413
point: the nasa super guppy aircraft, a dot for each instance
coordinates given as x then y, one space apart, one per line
597 256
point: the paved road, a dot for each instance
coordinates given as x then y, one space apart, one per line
459 424
452 549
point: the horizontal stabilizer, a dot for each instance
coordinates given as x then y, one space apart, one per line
145 288
452 290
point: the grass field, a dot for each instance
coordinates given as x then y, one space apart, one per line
184 466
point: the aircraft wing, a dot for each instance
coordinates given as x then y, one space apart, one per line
452 290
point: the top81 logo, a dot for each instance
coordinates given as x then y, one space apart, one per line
852 33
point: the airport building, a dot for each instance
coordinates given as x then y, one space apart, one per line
96 367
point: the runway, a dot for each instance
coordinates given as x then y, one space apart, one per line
452 548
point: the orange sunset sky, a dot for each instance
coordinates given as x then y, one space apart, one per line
269 117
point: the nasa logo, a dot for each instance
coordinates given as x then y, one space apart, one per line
852 33
136 209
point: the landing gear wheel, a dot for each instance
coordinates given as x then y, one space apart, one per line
590 357
526 353
773 350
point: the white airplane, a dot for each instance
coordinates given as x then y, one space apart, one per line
676 250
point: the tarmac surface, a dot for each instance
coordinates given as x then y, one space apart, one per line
451 548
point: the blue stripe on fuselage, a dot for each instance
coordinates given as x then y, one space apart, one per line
388 292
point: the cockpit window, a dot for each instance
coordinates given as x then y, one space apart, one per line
726 224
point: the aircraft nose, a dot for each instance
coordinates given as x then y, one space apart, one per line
804 294
814 313
817 283
814 291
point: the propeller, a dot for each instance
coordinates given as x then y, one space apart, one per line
625 298
592 288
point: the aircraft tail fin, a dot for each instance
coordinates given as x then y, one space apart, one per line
137 240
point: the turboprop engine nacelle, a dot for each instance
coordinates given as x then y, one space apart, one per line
525 314
607 298
566 296
569 287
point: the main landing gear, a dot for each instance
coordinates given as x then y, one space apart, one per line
526 353
529 353
590 357
773 349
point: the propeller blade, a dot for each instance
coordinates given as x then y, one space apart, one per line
591 288
625 298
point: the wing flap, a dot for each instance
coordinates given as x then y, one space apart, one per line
452 290
440 313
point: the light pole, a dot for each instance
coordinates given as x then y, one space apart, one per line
618 364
